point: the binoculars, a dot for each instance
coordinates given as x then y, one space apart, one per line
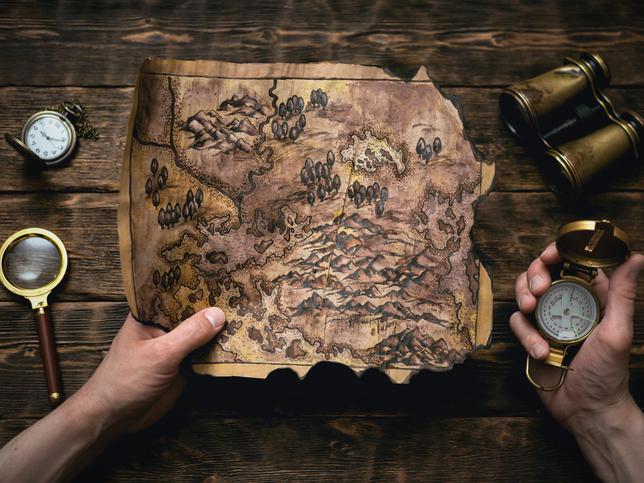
564 115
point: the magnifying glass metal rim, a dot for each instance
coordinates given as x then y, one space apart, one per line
37 296
38 299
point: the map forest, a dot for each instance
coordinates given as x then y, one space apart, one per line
326 208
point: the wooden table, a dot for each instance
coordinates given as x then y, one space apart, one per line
480 421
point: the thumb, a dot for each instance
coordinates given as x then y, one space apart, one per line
192 333
620 302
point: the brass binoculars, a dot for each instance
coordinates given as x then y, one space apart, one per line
564 115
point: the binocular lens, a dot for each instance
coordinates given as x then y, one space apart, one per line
31 262
564 115
514 115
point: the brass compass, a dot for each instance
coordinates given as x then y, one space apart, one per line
569 310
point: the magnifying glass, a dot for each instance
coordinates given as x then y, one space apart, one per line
33 262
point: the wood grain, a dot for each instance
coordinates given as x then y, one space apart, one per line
104 44
86 223
183 448
511 230
487 422
97 164
491 382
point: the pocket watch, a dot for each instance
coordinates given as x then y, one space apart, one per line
569 310
49 137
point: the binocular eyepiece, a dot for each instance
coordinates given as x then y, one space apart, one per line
564 115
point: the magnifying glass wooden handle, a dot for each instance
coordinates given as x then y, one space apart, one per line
48 351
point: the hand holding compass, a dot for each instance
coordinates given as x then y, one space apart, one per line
596 389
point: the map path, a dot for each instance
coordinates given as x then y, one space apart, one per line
326 208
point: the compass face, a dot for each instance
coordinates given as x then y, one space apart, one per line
567 312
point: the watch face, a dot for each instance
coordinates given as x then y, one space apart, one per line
49 136
567 312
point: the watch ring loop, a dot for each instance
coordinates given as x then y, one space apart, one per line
73 109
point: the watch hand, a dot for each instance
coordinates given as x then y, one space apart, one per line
49 138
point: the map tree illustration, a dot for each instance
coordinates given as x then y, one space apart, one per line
325 208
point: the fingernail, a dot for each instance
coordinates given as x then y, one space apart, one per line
216 317
535 282
538 351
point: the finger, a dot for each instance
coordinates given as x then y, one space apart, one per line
132 329
526 301
539 277
528 336
620 302
600 287
550 256
192 333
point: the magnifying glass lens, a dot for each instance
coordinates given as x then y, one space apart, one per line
31 262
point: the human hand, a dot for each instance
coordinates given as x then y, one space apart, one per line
135 385
139 379
595 391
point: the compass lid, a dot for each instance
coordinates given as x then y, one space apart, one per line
593 243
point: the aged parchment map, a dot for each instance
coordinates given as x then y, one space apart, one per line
326 208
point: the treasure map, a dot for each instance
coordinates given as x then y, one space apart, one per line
326 208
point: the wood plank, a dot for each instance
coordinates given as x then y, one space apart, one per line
26 20
475 44
283 428
181 448
511 230
86 223
97 164
490 383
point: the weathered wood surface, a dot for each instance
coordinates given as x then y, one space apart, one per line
490 383
97 164
511 229
103 44
340 449
332 425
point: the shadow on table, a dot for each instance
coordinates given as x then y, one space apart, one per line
475 388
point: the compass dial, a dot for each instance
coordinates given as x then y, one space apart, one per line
567 312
